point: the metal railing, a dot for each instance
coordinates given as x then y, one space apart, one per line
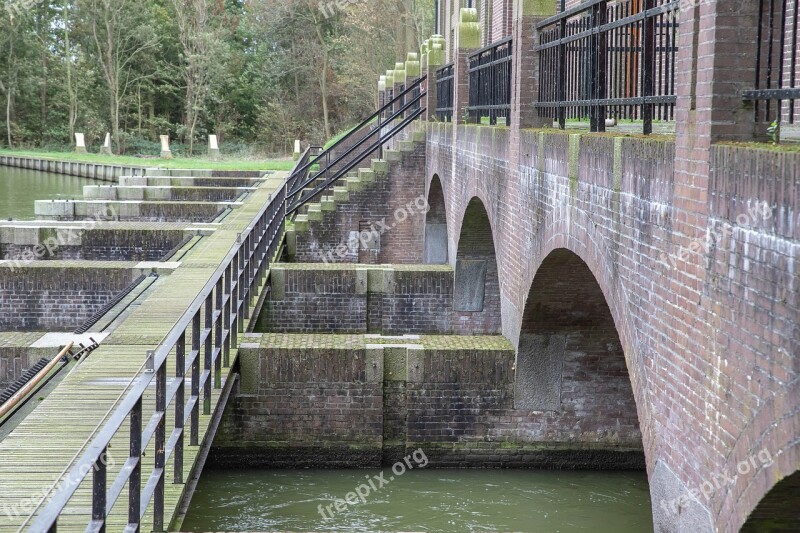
212 323
600 60
490 82
403 109
775 88
444 93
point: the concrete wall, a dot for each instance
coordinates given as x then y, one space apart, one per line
332 400
72 168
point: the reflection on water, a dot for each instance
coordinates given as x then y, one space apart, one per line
423 500
19 188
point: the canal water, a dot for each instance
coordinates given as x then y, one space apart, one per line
422 500
19 188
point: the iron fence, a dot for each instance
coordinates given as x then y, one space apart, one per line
444 93
197 347
490 82
775 89
609 60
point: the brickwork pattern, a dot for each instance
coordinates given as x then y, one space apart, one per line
57 299
379 202
630 208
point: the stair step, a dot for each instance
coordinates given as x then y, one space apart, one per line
301 223
392 155
314 212
354 184
340 194
380 166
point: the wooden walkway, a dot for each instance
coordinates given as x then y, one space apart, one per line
35 456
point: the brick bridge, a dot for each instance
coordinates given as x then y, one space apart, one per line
654 275
554 262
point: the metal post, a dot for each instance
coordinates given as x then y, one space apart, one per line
135 452
194 423
648 62
180 399
160 441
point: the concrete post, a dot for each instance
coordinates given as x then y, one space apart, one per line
80 143
525 63
106 149
165 151
213 147
468 40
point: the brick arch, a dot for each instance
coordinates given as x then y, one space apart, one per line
779 510
570 362
477 283
769 445
593 253
436 242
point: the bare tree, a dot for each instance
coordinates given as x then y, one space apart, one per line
201 28
120 36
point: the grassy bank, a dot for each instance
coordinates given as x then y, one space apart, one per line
194 162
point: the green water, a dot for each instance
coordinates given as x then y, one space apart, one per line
19 188
423 500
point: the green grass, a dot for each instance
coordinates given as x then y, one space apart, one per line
191 163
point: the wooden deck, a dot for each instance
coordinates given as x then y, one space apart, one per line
36 455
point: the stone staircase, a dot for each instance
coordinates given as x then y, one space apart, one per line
332 218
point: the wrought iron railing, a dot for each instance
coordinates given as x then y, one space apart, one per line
601 61
196 347
444 93
490 82
403 109
775 89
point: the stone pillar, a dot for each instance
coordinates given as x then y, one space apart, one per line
525 63
106 149
399 83
382 92
435 61
213 147
297 150
468 40
165 151
412 77
389 86
80 143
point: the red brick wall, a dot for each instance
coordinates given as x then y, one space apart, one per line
381 201
710 338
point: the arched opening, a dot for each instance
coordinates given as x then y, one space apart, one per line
476 300
779 510
570 361
436 225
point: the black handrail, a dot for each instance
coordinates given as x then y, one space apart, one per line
214 320
444 93
352 164
490 82
397 114
602 60
377 114
775 65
